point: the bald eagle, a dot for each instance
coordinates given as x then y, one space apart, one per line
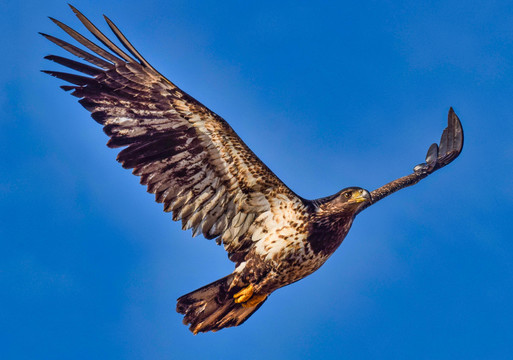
208 178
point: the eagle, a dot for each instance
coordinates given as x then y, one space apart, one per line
207 177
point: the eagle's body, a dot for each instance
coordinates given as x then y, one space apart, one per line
295 241
203 173
290 244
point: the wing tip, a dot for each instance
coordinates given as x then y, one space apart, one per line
56 22
454 121
73 8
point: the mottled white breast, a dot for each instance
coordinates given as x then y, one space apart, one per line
282 231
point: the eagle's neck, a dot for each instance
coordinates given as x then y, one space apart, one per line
328 230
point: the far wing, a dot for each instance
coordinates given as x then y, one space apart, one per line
185 154
438 156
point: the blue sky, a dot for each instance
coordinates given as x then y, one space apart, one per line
329 95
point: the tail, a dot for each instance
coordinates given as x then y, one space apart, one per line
213 308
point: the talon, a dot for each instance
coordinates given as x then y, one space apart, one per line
247 297
244 295
254 301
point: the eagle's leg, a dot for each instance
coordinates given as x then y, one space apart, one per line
252 295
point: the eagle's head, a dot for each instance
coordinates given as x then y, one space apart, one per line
353 199
352 196
349 201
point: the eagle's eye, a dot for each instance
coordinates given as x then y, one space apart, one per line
347 195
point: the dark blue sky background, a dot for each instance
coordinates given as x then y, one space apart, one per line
329 95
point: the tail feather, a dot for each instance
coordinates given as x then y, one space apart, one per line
213 308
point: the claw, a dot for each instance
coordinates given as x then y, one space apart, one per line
254 301
244 295
247 297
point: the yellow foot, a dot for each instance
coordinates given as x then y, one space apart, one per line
254 301
244 295
247 298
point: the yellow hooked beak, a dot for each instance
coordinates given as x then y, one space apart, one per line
360 196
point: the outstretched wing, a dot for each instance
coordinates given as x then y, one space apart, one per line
188 156
438 156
